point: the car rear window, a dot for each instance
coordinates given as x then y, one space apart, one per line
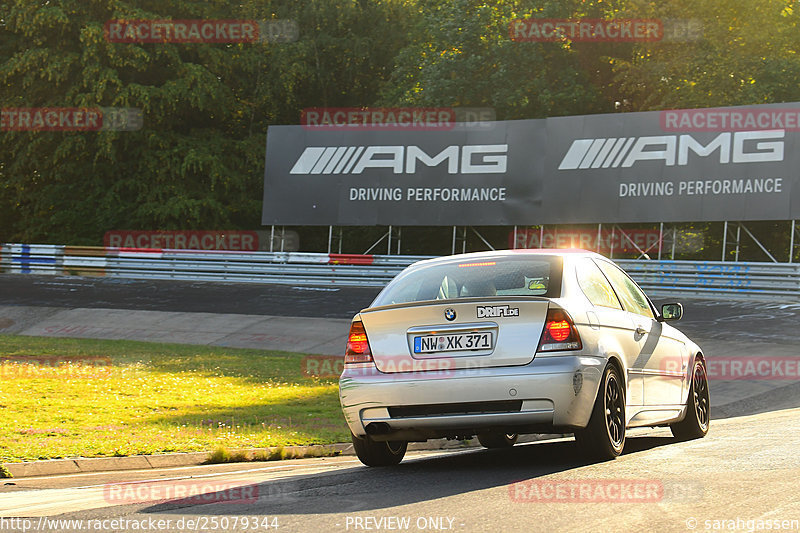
471 278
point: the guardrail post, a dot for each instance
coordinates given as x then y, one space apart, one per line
674 238
399 239
611 255
272 238
599 229
724 240
737 242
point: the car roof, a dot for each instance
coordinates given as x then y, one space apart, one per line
507 254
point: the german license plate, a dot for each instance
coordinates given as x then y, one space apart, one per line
453 342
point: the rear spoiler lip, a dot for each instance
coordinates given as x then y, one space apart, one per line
456 301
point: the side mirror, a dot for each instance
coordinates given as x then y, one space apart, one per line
671 312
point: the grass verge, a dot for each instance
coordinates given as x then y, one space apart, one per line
95 398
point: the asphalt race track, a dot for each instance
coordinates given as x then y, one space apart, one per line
184 296
741 477
704 317
744 472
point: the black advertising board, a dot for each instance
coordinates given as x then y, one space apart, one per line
737 163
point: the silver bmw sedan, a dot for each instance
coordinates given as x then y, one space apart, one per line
498 344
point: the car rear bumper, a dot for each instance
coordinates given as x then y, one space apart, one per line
551 391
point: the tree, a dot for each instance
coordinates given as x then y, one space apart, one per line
198 160
462 55
746 54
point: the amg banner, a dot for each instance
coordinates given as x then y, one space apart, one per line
736 163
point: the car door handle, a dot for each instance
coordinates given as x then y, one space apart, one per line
640 330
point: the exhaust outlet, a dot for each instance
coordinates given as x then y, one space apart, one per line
378 428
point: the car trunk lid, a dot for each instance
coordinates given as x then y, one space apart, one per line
455 334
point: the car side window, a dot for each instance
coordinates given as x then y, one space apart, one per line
631 295
595 285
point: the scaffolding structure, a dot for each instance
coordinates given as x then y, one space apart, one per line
735 233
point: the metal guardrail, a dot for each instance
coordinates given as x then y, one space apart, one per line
728 280
254 267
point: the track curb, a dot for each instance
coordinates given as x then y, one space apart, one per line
82 465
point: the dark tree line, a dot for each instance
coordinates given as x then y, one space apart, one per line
197 163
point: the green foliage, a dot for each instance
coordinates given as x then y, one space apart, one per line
463 56
197 163
746 54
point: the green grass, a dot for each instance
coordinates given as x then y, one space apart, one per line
143 398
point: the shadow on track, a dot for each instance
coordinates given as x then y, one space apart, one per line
413 481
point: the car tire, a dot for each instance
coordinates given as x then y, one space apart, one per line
604 437
698 415
379 453
497 440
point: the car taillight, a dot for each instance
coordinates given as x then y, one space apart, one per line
357 345
559 332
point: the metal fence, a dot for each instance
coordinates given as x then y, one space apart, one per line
717 279
659 278
294 268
